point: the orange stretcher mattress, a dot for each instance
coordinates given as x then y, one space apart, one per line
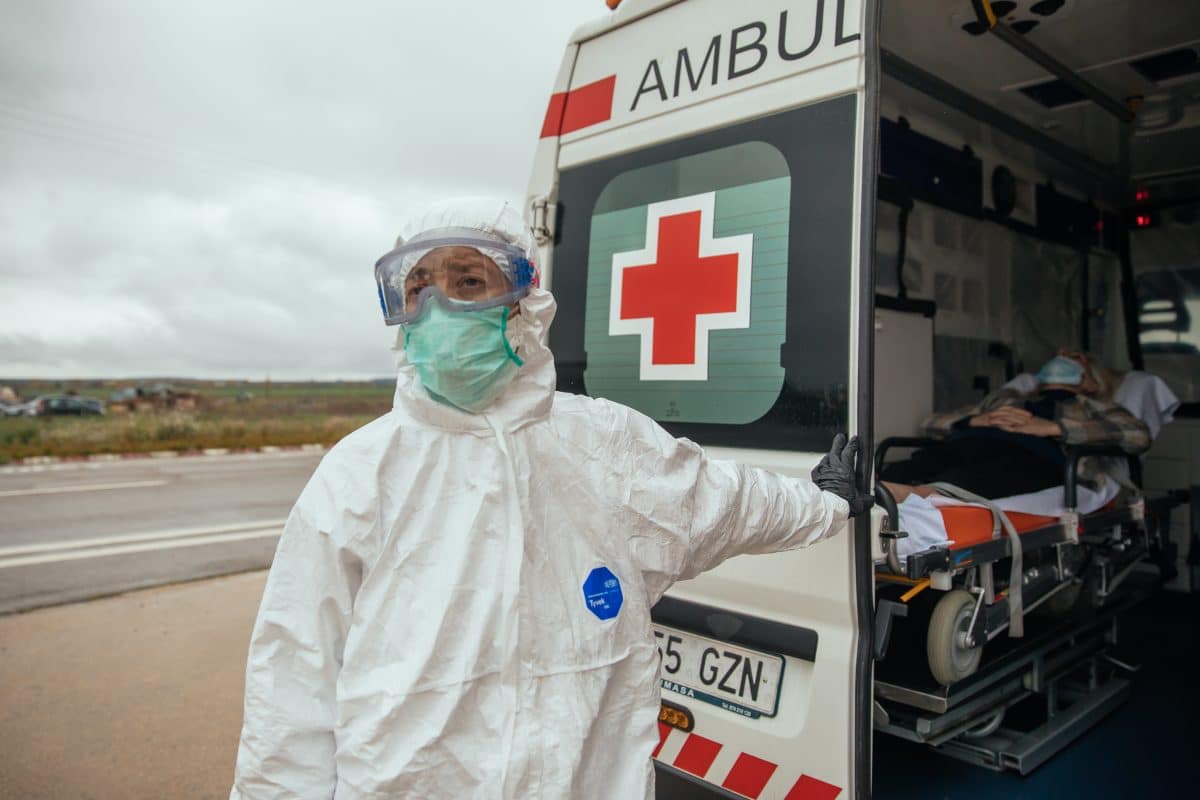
972 525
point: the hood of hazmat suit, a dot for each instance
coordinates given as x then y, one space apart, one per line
459 606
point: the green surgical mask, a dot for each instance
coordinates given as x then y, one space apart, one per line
462 357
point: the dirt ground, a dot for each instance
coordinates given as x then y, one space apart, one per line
134 696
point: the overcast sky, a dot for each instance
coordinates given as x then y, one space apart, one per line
200 189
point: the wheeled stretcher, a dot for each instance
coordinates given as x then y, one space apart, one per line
1066 570
1058 558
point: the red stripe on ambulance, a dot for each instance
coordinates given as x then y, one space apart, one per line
579 108
664 730
697 755
809 788
748 776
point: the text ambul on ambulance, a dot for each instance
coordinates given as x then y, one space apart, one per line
704 193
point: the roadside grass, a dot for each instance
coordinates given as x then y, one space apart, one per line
211 390
84 436
221 420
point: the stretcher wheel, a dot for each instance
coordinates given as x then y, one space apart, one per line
950 659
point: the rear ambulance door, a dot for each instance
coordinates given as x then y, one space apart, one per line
704 190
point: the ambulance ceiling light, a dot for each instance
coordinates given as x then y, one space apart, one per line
1053 94
1022 16
1046 7
1169 65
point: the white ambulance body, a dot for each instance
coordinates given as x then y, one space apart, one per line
742 140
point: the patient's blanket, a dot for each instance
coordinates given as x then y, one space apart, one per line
921 517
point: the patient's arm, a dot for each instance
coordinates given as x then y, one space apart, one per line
1018 420
939 425
1105 425
900 491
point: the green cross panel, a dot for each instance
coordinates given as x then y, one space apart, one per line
744 372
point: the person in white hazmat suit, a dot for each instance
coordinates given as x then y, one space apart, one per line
459 606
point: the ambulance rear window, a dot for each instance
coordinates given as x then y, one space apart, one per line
706 282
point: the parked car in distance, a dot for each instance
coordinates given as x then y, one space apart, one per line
59 405
26 409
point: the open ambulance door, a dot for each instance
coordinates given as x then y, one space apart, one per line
704 195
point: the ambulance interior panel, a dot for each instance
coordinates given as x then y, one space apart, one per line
1166 256
1003 201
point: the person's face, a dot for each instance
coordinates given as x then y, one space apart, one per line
462 273
1088 386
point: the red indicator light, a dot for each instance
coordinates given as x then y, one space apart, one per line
1142 220
1142 195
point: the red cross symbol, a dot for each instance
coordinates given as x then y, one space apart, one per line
678 287
682 285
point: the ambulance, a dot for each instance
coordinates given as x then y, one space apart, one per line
897 206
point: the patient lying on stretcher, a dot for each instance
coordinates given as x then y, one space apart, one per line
1012 442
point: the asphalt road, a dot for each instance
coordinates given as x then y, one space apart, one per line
136 697
75 531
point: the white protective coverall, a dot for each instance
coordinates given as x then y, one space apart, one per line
424 632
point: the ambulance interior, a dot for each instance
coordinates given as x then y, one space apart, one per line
1026 206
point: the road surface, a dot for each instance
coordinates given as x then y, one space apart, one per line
137 697
75 531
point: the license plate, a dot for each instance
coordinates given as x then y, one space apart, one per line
739 680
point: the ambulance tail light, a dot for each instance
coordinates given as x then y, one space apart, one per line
676 716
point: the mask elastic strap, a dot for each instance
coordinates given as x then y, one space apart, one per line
504 338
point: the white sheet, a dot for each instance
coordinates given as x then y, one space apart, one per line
1149 399
921 519
923 523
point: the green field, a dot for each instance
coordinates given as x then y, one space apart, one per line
232 414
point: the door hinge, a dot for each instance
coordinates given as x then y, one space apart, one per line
542 219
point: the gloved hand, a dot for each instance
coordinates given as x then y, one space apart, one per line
836 473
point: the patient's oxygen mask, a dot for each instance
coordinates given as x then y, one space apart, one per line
1061 370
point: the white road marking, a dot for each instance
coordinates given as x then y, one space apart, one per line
306 451
169 544
176 533
86 487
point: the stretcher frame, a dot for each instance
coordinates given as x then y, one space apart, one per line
1126 535
1070 667
1068 664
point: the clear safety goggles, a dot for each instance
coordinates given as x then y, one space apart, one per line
468 270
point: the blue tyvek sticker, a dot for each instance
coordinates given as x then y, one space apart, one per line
602 593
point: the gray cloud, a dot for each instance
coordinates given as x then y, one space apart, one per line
200 189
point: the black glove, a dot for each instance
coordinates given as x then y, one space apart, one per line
837 474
